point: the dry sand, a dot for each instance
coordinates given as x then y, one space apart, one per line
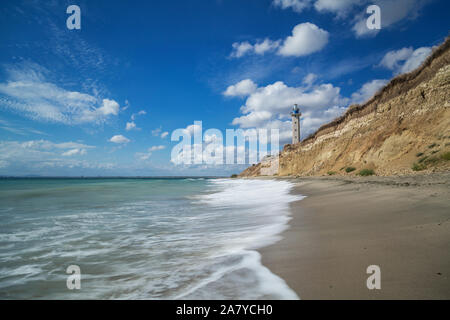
401 224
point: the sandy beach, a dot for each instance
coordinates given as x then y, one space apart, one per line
401 224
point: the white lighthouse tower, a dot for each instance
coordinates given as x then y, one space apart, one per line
295 124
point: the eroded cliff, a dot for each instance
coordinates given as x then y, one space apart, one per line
403 129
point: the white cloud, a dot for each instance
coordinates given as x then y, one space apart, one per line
269 107
22 157
242 48
265 46
306 38
142 155
392 12
296 5
241 89
416 59
48 145
73 152
119 139
126 106
253 119
140 113
280 97
368 90
109 107
392 58
340 7
191 129
164 134
130 126
309 79
158 132
405 59
27 92
155 148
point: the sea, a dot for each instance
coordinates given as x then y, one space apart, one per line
141 238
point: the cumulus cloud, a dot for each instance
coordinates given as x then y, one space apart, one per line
265 46
340 8
368 90
242 48
130 126
296 5
120 139
29 93
392 12
405 59
109 107
306 38
240 89
269 107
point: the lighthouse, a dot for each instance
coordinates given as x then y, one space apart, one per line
295 124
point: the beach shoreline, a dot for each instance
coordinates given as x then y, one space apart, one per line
345 224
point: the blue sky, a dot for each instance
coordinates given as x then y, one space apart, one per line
105 99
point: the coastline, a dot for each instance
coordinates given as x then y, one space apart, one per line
345 224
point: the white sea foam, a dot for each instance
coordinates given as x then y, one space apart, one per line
266 201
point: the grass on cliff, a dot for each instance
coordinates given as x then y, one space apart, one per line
424 162
331 173
350 169
366 172
445 156
418 166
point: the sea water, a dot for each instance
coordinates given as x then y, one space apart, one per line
141 238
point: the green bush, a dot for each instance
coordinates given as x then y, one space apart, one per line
234 176
445 156
431 146
431 160
349 169
423 159
366 172
418 167
419 154
331 173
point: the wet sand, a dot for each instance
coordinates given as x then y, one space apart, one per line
401 224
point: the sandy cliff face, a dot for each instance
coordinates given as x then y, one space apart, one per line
403 129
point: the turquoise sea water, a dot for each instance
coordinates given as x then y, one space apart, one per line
141 238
